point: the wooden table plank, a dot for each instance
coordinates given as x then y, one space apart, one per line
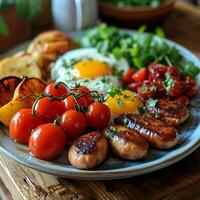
171 183
178 182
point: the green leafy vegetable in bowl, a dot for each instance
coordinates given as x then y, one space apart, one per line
128 3
140 49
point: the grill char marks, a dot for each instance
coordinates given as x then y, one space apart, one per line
126 143
169 111
157 133
87 143
88 151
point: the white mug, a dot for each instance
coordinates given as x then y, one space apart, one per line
71 15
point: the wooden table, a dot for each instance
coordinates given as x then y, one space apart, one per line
180 181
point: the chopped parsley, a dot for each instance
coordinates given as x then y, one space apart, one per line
119 102
141 110
112 128
114 91
125 122
168 83
116 72
152 102
144 89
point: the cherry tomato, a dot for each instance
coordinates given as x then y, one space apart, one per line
83 90
190 87
133 86
159 85
173 71
98 115
140 75
74 122
58 92
146 90
22 124
50 108
70 103
127 78
47 141
156 71
177 89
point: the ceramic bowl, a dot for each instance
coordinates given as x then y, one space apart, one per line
135 16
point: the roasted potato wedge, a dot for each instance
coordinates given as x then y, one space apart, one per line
7 88
23 98
52 42
47 46
20 65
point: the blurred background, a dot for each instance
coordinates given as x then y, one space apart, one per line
29 17
21 20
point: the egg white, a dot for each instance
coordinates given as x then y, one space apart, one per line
66 73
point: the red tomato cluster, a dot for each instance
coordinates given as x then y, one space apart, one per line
160 80
73 114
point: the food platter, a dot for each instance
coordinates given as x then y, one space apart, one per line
114 168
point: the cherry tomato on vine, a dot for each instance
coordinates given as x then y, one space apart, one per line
70 103
50 108
74 123
127 78
140 75
22 124
83 90
98 115
58 92
47 141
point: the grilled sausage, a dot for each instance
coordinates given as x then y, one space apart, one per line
88 151
156 132
126 143
168 111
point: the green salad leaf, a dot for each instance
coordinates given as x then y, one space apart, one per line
139 49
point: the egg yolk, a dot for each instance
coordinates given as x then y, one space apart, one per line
91 69
125 102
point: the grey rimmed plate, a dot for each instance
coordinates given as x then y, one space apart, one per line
114 168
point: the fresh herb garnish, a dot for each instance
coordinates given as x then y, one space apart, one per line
125 122
112 128
168 83
144 89
152 102
119 102
114 91
141 110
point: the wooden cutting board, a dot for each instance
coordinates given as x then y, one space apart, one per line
178 182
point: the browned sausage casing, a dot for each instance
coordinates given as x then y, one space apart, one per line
126 143
156 132
168 111
88 151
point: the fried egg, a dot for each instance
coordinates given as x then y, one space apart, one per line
124 101
88 67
